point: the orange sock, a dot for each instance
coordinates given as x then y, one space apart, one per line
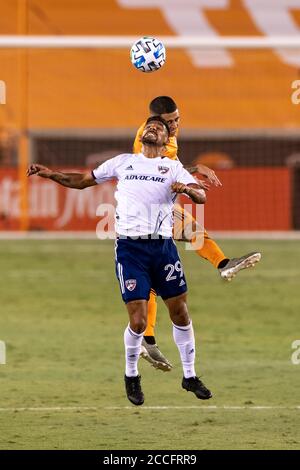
151 319
211 251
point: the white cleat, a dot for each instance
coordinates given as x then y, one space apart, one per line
152 354
235 265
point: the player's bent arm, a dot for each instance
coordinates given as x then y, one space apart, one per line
193 190
69 180
193 170
196 193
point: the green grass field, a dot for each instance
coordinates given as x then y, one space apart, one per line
62 320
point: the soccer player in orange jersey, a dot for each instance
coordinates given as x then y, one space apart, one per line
166 107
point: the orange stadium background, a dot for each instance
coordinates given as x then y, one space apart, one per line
71 108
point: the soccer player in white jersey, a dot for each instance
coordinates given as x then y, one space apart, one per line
146 255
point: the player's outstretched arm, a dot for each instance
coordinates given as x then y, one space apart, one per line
70 180
194 191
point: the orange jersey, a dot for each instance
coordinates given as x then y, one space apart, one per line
169 151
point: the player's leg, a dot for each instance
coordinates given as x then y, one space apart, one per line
212 252
135 285
183 334
137 311
171 285
150 351
228 267
133 335
151 318
185 228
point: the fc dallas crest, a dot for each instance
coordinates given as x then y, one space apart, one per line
163 169
130 284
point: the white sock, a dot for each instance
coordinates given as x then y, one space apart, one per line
132 343
185 341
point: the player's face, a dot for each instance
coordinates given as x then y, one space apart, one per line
173 121
155 133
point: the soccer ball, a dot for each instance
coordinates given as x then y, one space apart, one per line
148 54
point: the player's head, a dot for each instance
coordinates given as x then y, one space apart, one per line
166 107
156 132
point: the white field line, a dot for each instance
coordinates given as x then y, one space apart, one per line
50 408
112 408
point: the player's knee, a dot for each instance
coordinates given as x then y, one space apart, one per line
179 311
138 315
138 325
181 317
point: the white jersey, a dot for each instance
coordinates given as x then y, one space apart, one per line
144 197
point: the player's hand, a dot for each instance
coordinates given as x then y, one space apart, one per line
209 174
202 184
179 187
39 170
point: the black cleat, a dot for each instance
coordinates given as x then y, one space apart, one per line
194 384
134 390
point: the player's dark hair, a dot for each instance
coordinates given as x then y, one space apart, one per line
162 105
160 119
